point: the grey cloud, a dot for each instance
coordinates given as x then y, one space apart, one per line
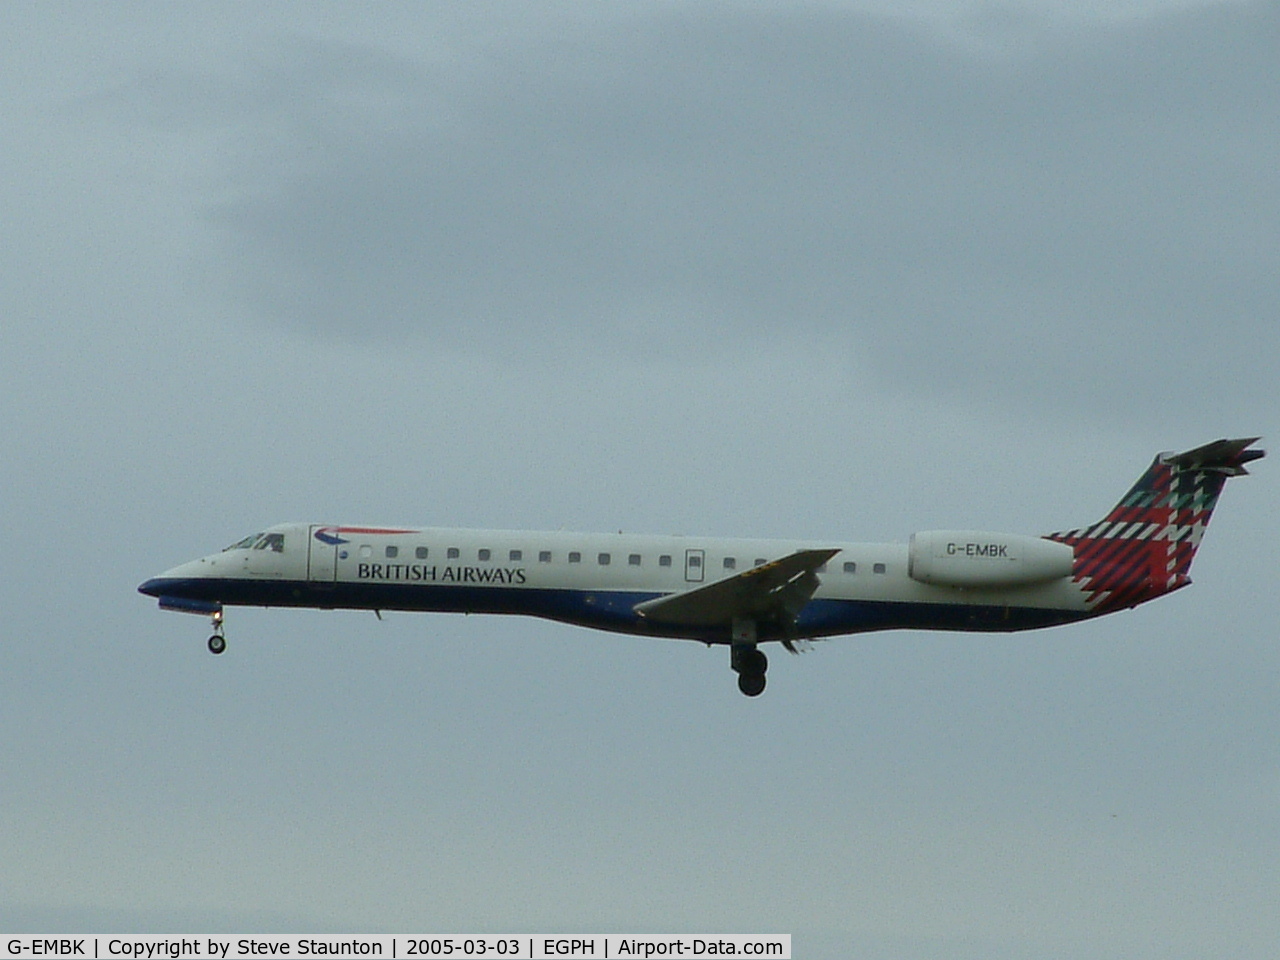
1103 199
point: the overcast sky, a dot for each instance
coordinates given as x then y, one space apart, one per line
820 270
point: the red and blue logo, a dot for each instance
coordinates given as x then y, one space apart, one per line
333 535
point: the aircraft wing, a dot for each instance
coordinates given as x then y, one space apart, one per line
773 591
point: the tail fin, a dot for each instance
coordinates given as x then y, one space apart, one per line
1143 548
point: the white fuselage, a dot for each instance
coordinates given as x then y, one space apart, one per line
590 578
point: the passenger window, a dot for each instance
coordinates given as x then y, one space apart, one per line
453 553
730 563
604 559
544 556
393 552
760 562
515 556
575 556
420 553
483 555
850 567
695 562
664 560
634 560
878 568
366 551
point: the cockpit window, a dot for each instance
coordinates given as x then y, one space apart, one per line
244 544
271 541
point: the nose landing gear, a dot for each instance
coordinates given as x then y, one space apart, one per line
217 642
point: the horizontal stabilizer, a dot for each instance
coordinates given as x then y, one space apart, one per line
1228 456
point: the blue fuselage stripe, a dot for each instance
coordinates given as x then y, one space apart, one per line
601 609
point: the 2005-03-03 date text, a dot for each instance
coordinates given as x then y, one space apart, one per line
471 947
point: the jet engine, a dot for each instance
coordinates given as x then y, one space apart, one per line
974 558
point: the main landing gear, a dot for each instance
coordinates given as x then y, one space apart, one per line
217 642
746 659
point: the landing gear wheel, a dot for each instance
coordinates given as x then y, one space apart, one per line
748 662
752 684
217 644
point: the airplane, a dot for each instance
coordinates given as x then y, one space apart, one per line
739 593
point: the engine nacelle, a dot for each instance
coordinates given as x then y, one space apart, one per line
974 558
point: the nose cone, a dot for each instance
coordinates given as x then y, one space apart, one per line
188 588
183 580
153 587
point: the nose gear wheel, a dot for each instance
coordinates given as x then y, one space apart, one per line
217 642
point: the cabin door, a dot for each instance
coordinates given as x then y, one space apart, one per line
322 556
694 560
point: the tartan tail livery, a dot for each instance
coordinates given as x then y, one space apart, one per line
1143 548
